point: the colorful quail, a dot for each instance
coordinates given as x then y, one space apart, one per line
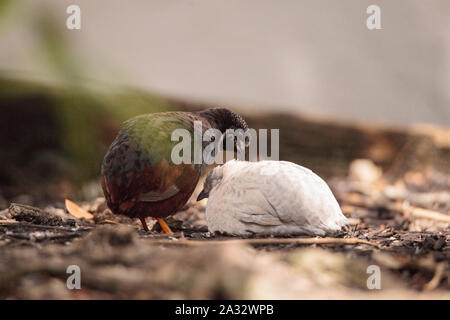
139 178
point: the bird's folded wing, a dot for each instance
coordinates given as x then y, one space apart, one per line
167 180
263 219
256 209
304 201
153 196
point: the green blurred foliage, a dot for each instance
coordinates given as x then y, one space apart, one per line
61 131
50 134
6 7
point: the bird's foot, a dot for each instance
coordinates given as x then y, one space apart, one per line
165 228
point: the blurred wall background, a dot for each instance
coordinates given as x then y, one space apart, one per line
64 93
310 57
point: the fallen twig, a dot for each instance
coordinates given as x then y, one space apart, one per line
422 199
403 208
434 282
21 212
8 222
25 236
13 223
269 241
424 213
107 221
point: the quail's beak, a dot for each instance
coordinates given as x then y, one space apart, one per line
246 141
202 195
240 144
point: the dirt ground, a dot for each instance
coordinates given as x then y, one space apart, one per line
400 226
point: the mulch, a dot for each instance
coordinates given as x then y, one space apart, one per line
399 225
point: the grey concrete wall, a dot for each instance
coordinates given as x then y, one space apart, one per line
315 57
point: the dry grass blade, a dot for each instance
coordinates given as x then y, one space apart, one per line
78 212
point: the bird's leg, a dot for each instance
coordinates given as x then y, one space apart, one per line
165 228
144 224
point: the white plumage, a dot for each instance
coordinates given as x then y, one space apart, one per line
270 197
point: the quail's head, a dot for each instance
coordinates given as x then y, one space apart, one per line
212 179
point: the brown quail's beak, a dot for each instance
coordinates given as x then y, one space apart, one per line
240 145
202 195
246 140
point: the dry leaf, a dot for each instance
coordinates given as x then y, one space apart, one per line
77 212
